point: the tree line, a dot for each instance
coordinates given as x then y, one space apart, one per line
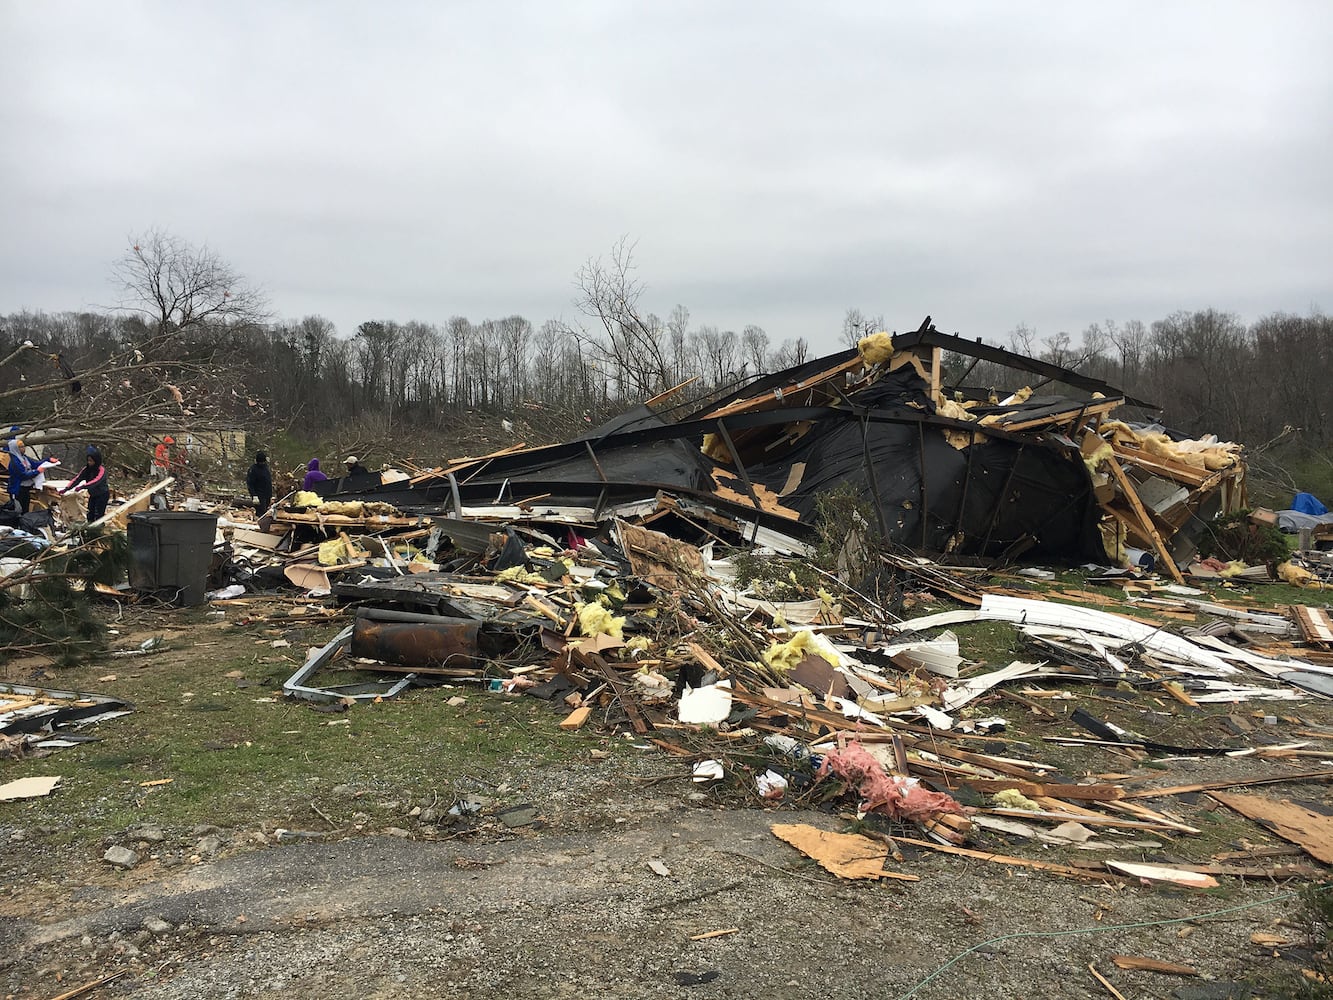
192 341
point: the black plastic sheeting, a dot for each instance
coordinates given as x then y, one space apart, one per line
998 495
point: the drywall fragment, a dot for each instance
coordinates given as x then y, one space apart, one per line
705 706
27 788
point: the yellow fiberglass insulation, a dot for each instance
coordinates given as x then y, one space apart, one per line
1012 798
875 349
304 498
519 574
715 448
345 508
1206 452
955 410
1099 455
1298 576
597 620
332 552
783 656
1235 568
1021 396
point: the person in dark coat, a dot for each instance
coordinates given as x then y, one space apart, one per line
259 481
354 466
313 475
92 477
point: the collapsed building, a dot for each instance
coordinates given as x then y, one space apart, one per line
943 469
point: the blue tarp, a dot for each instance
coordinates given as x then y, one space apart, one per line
1308 503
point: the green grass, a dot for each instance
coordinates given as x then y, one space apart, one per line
236 760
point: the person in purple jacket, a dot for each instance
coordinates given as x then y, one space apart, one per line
313 475
92 477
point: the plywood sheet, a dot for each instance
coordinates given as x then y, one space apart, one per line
846 855
1310 830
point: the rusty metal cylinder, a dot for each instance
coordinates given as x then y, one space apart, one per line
425 645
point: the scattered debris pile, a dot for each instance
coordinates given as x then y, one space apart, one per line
638 580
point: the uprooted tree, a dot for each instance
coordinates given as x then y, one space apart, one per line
168 364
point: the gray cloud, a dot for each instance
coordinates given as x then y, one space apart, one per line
1053 164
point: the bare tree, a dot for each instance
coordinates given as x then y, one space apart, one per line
628 345
856 324
754 348
176 286
791 353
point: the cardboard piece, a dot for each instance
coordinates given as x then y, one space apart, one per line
307 576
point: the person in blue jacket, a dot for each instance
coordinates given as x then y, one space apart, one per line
92 477
22 472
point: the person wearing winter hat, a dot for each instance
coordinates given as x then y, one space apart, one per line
92 477
22 471
25 475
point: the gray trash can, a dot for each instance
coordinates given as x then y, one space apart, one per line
171 552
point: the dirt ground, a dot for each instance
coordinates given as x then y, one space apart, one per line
551 913
351 901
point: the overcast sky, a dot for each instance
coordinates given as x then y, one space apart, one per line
989 164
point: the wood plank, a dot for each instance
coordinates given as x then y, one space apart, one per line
1210 786
667 394
1315 624
1312 831
1131 494
1179 472
777 396
1005 859
120 516
1091 793
1134 963
577 718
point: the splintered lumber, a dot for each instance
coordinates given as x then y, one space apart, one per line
1315 624
1211 786
709 935
594 662
86 988
1091 793
119 517
1132 495
1158 873
1133 963
1006 859
1293 822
